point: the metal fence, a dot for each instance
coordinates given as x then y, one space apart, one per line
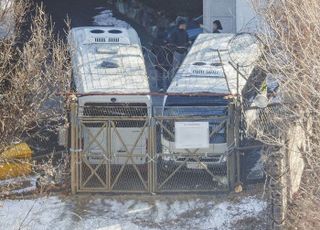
131 149
111 149
265 123
272 126
191 169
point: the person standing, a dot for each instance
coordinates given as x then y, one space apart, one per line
216 26
179 40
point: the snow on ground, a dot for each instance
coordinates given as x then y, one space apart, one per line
101 213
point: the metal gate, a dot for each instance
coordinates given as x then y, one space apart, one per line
126 150
111 149
191 169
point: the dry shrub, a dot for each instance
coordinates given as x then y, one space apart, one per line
30 76
292 38
34 68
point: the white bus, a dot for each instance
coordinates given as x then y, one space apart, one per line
110 77
210 80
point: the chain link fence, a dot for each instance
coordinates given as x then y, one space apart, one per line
134 148
280 155
112 148
191 169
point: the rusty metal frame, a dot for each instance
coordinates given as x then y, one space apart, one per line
105 184
130 155
108 124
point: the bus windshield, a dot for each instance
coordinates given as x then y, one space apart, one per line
196 101
188 107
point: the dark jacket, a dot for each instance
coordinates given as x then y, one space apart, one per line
180 40
162 52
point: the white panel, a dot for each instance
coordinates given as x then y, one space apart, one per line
246 16
223 10
192 135
207 15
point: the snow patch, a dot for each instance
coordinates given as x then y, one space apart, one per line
110 214
224 215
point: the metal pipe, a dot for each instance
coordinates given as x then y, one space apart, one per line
73 108
148 94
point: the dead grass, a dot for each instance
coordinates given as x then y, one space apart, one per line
292 39
32 74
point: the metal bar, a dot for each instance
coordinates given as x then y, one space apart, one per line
153 153
244 77
139 174
262 109
203 165
125 164
74 179
149 162
230 142
146 94
94 138
194 118
104 151
97 119
78 147
249 147
113 192
167 130
218 128
237 139
101 119
193 191
130 154
109 149
224 72
238 94
93 172
174 172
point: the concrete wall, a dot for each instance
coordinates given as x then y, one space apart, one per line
235 15
223 10
246 18
296 147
